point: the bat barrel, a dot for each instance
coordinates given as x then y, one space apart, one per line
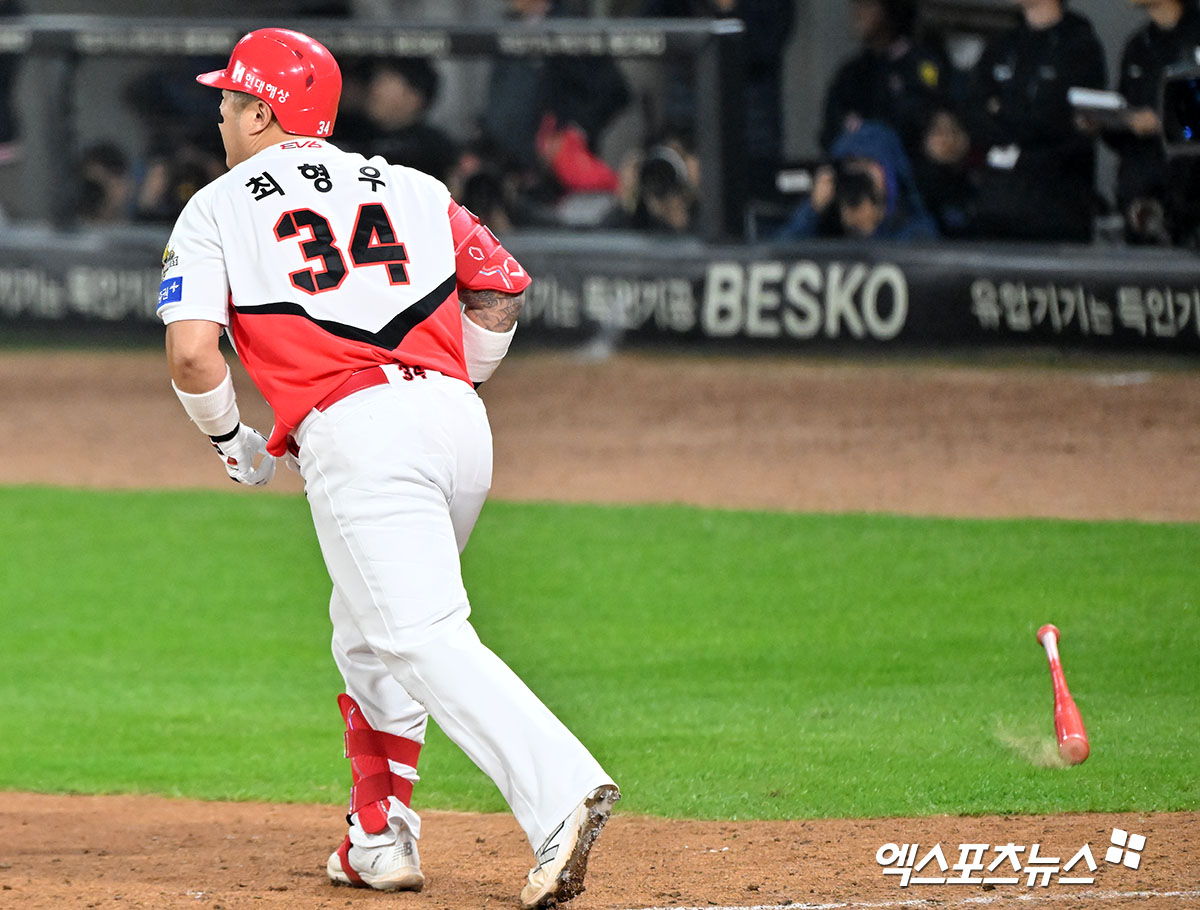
1073 749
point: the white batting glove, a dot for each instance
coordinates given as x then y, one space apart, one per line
237 451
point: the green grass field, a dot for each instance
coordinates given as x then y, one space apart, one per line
721 664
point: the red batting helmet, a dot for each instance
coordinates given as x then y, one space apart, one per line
291 72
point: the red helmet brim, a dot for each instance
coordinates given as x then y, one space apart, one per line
218 79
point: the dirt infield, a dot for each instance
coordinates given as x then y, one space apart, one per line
141 852
1105 440
1108 441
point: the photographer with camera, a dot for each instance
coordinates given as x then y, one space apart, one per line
866 191
1155 196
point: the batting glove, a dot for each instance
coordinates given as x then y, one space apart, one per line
237 451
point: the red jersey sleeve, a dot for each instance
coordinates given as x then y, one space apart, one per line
480 262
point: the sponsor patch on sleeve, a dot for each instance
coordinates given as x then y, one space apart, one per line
170 259
170 291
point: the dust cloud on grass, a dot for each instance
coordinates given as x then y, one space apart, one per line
1038 749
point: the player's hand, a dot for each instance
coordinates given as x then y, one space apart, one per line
238 453
824 188
1143 121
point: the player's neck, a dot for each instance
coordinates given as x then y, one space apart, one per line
269 138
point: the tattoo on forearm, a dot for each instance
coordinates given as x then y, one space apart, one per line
494 310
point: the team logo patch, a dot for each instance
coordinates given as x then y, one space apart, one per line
170 291
170 259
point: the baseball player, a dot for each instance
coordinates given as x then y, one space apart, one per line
366 305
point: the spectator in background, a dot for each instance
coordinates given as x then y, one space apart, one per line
1038 179
892 78
547 114
768 27
868 192
392 122
180 162
661 186
1158 200
354 127
184 151
106 186
943 172
488 184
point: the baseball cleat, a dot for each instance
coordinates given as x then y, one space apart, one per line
562 859
393 867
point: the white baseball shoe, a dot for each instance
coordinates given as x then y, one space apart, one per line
562 859
394 867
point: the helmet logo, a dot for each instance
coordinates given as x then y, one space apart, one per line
239 70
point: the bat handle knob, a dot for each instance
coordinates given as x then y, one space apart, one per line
1048 629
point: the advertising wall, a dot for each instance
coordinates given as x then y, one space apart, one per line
877 296
819 296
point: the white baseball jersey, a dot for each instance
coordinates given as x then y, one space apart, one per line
319 263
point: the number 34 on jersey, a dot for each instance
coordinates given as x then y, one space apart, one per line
373 241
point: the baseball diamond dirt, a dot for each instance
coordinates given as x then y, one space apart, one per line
1101 439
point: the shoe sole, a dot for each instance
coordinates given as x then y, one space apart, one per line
569 882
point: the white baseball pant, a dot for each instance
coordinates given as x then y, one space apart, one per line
395 477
